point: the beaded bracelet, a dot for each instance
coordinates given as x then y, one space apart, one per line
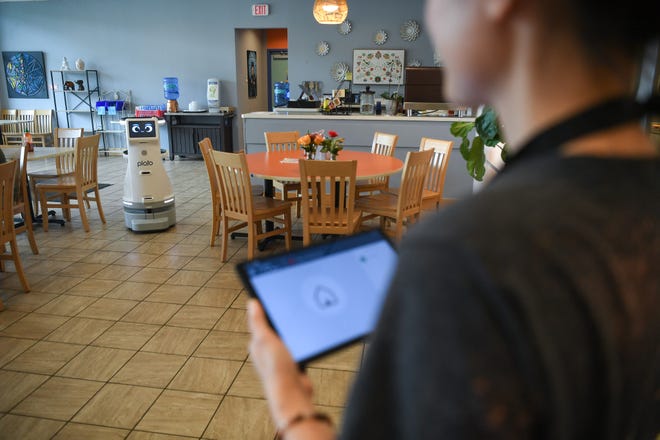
299 418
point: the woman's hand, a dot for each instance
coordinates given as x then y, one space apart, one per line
289 392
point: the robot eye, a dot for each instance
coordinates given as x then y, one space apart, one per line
135 128
148 128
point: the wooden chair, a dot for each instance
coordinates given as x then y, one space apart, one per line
383 144
42 127
64 165
21 196
406 206
7 114
432 196
328 200
7 231
13 134
285 141
206 148
238 203
74 186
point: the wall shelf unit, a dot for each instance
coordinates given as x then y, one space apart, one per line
73 104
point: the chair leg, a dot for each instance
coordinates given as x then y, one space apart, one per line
83 212
252 233
41 195
30 232
215 228
225 238
288 232
35 201
98 204
18 264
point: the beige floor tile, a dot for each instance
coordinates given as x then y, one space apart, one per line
196 317
8 317
81 269
141 435
59 398
151 313
154 248
105 308
44 357
233 320
211 376
241 301
224 345
170 262
347 359
180 413
34 326
148 275
175 340
247 383
126 335
96 363
51 266
225 280
10 348
214 297
56 284
118 406
15 386
66 305
77 431
27 428
28 302
132 290
190 278
240 418
70 255
330 386
150 369
93 287
79 330
172 294
190 250
116 272
91 242
104 257
203 263
122 246
136 259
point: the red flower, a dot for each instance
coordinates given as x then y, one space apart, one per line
332 133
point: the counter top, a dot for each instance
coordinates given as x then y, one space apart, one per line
199 113
294 114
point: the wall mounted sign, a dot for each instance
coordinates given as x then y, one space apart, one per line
25 74
252 73
260 10
378 66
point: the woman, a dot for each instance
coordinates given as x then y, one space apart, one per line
530 310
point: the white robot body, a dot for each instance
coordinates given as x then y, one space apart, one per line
148 197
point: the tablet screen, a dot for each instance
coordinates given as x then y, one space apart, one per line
323 297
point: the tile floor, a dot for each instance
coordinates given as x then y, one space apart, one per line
138 336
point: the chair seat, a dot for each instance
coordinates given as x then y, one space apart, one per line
426 194
44 174
379 204
58 181
265 205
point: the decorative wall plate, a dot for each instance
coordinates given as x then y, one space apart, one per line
339 71
414 63
322 48
345 27
410 30
380 37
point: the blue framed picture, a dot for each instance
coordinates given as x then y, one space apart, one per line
25 74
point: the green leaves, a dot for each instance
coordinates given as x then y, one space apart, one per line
488 127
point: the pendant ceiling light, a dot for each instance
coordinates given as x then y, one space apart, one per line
330 11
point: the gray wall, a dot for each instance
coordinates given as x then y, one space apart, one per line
135 43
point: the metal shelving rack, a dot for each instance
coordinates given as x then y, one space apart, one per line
75 101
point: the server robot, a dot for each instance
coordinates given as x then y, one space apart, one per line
148 196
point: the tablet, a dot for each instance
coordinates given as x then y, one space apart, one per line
323 297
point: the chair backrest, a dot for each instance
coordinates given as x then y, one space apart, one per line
8 114
66 137
435 181
384 143
43 122
234 182
18 154
25 115
87 155
206 148
7 174
413 178
282 140
328 194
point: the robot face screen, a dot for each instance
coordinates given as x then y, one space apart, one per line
142 129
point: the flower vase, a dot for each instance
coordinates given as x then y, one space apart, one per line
310 154
333 156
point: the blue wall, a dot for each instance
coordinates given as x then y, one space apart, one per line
135 43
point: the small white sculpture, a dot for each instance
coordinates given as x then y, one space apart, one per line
65 64
80 64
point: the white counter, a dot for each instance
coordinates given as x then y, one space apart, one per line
358 130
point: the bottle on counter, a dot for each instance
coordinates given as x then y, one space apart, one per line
27 141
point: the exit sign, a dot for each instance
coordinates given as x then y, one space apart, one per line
260 10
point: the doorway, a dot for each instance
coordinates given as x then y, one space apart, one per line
278 72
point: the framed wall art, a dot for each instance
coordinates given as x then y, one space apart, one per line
25 74
378 66
252 73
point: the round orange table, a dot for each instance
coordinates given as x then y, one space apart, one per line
281 165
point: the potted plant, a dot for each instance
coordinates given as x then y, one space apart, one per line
332 145
392 102
485 132
309 143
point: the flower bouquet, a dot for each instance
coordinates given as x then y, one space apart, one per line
309 143
333 144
